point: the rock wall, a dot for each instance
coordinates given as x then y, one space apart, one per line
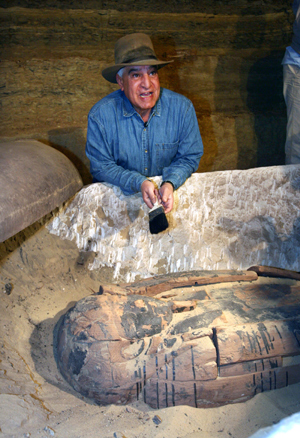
227 61
221 220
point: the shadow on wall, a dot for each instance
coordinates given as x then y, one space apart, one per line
71 142
265 101
182 76
258 106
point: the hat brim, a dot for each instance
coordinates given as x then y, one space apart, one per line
110 73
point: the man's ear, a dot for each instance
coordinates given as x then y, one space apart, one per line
120 82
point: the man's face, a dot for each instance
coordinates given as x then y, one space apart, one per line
141 86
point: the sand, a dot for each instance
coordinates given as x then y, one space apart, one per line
41 276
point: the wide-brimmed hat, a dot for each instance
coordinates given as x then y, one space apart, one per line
133 49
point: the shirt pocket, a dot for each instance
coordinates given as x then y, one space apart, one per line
165 153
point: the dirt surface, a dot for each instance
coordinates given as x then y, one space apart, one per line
41 276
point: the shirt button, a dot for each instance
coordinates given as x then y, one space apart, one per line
146 151
146 168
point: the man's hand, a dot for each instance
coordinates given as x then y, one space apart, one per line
149 193
166 195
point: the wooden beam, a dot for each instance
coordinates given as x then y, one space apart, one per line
270 271
155 285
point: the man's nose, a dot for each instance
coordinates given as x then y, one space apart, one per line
146 81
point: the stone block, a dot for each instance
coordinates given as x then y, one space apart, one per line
221 220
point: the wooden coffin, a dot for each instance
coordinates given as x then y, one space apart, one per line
202 339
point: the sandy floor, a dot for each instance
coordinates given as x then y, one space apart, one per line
39 280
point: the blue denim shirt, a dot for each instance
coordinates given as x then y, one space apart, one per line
124 151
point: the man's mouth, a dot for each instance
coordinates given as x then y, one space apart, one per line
149 93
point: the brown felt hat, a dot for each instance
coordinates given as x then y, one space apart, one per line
133 49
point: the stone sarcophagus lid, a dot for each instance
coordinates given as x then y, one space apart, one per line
198 338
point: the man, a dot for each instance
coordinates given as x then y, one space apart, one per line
142 130
291 91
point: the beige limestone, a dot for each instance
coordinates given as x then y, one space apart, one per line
221 220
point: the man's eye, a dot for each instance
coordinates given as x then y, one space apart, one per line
153 73
135 75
